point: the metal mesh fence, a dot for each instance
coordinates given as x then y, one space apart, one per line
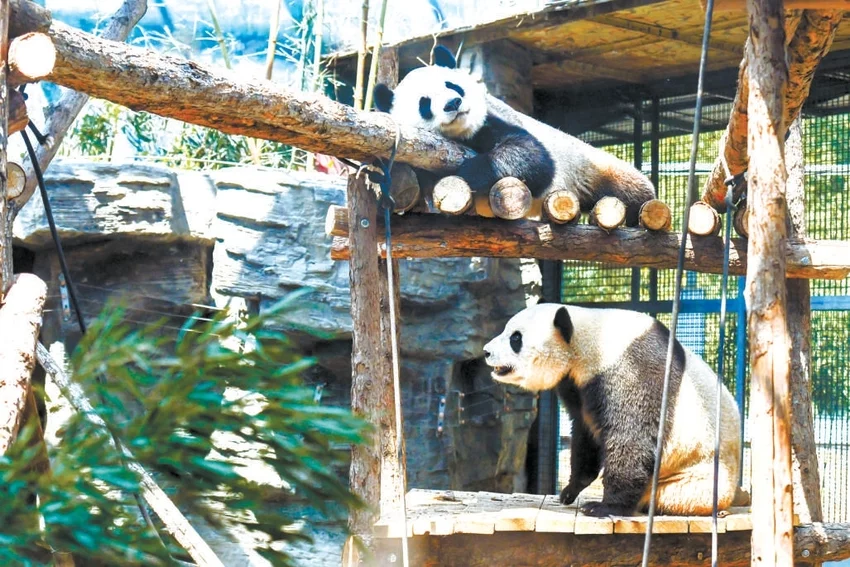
827 159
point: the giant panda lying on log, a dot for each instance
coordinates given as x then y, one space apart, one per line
449 101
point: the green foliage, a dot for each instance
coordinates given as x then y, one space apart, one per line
192 411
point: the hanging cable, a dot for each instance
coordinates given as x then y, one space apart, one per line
680 265
721 344
48 212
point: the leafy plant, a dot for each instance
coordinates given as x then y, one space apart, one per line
190 409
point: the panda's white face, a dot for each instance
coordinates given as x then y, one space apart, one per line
440 99
532 352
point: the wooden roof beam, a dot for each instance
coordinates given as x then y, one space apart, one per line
668 34
437 236
588 69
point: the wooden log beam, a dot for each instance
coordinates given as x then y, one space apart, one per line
20 323
812 542
769 343
142 79
810 41
26 17
174 520
436 236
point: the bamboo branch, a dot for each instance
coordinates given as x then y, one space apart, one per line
438 236
61 115
809 44
20 323
174 521
169 86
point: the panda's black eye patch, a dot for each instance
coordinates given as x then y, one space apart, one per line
425 108
456 88
516 342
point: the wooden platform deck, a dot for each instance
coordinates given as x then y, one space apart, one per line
448 512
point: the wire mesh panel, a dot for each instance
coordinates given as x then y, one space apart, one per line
826 129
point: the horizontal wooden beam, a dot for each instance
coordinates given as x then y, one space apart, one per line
677 36
436 236
177 88
812 543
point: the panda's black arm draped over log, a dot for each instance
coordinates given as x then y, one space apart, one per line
506 150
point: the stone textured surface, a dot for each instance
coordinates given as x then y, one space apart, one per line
93 201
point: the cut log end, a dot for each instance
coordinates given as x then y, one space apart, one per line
704 220
562 206
16 179
336 221
740 220
608 213
510 198
655 215
404 187
452 195
31 58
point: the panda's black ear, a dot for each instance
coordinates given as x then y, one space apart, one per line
383 97
564 324
444 58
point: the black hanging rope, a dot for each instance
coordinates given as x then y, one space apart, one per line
680 264
731 183
48 212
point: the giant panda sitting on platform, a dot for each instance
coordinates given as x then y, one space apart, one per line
608 368
449 101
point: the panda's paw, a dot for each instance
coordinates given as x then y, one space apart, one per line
600 510
569 495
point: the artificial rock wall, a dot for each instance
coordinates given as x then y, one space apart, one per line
167 240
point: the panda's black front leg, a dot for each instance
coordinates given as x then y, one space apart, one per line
585 461
628 470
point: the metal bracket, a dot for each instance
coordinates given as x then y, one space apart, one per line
66 303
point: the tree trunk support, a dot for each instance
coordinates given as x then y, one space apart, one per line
770 395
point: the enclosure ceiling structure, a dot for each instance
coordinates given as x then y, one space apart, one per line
592 60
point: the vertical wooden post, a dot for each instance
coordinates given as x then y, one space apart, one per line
770 396
393 466
377 474
807 502
5 227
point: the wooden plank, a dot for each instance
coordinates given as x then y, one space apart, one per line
702 525
589 524
739 519
660 525
555 517
519 513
